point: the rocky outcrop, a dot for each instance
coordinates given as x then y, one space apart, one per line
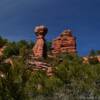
88 59
1 50
39 50
64 43
98 57
35 65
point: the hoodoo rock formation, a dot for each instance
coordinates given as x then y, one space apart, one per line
40 49
65 43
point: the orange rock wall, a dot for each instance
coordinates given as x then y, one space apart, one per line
64 43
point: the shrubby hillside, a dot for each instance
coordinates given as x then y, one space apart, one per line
71 79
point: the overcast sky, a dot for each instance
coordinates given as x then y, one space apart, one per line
19 17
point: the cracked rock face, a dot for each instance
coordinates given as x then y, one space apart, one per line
40 49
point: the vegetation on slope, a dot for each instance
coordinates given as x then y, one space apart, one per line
72 79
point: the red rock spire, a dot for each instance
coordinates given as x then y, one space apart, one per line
39 50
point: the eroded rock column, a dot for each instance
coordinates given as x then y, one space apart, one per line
40 48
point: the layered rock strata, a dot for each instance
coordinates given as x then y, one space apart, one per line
40 49
65 43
